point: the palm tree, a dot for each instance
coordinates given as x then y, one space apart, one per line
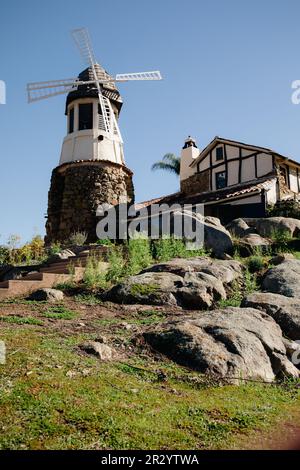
169 163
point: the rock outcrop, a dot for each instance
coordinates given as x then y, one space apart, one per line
283 279
284 310
232 343
195 283
49 295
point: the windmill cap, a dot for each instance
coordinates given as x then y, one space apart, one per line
85 91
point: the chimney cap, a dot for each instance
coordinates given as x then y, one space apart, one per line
189 142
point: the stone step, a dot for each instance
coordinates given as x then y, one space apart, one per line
19 287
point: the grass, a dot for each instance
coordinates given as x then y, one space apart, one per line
59 312
20 320
118 406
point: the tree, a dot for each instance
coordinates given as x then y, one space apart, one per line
169 163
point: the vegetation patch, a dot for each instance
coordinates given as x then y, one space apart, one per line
143 289
59 312
21 320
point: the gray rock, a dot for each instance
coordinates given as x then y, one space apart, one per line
63 255
199 291
213 236
233 343
253 242
148 288
192 289
99 349
292 351
238 228
283 279
284 310
213 221
225 270
267 226
51 295
278 259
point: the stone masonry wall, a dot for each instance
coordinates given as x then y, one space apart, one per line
197 183
76 191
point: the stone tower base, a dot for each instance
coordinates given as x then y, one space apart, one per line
77 189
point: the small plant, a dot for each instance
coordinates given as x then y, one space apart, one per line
139 254
281 238
78 238
255 263
59 312
104 242
116 261
250 284
88 299
94 274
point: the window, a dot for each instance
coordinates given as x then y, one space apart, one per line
85 116
219 153
221 180
71 120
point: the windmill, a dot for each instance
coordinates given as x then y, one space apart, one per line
99 81
91 169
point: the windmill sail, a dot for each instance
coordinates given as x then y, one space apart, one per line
41 90
124 77
82 40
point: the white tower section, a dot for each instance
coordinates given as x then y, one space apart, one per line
189 152
88 138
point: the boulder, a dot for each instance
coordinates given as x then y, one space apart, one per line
190 290
213 221
225 270
148 288
292 351
238 228
232 343
61 256
278 259
50 295
253 242
213 236
99 349
199 291
266 227
284 310
283 279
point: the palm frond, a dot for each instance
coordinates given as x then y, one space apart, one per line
170 162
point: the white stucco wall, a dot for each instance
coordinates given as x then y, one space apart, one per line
85 145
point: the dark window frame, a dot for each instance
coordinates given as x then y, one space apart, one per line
219 153
85 116
71 120
224 179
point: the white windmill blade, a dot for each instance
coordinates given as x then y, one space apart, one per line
124 77
83 42
41 90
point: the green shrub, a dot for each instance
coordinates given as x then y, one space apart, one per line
116 264
105 242
78 238
255 263
94 274
4 255
138 254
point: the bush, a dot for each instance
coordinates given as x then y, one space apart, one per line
281 238
4 255
289 208
78 238
167 248
138 254
116 264
94 274
255 263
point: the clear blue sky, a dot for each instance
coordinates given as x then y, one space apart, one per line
227 66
